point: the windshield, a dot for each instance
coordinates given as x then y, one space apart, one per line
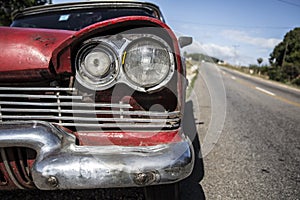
77 19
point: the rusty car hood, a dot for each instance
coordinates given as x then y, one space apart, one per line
27 48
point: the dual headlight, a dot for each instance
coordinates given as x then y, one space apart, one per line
144 63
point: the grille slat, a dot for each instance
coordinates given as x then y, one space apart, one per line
119 125
84 119
40 96
56 89
66 107
45 104
106 112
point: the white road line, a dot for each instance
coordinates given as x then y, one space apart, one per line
233 78
265 91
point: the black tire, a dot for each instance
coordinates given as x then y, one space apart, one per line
190 188
163 192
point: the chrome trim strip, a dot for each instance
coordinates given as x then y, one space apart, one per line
89 119
107 112
56 89
60 164
79 104
72 97
121 125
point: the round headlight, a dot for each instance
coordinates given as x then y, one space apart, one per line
96 65
148 63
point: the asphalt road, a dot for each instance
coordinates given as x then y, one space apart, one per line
256 155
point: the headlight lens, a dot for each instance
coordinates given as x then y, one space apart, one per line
148 63
96 65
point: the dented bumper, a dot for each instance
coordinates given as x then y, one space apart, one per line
61 164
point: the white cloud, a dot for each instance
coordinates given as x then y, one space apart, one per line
243 37
218 51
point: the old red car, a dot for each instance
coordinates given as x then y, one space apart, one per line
92 95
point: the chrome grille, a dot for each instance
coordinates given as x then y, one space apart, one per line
64 107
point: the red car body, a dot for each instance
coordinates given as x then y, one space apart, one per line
58 132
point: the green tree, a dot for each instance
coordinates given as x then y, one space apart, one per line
259 61
285 58
8 6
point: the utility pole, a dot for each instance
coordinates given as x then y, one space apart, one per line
283 59
235 53
284 54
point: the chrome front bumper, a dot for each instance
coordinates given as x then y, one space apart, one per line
61 164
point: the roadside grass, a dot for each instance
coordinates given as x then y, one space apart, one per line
192 75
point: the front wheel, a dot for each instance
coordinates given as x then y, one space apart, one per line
162 192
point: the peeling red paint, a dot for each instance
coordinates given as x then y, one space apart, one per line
28 49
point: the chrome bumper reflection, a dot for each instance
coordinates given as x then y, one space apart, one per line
61 164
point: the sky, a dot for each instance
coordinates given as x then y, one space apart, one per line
236 31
